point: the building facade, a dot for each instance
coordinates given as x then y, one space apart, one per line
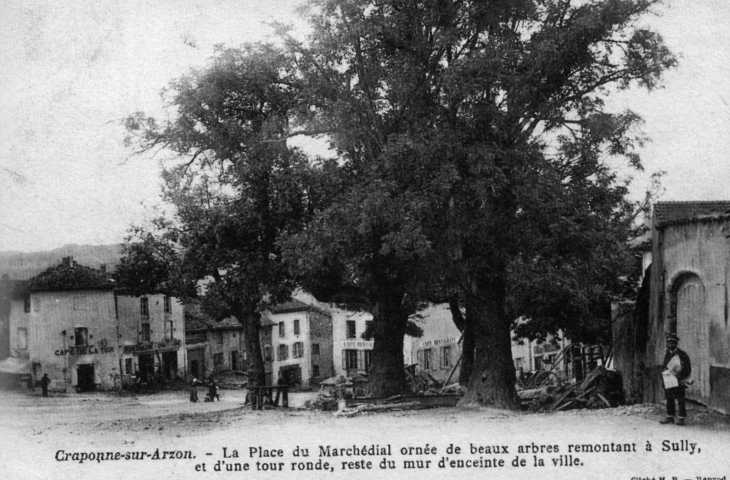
70 323
213 347
71 335
438 351
690 287
151 337
299 343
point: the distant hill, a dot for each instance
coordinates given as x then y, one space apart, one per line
23 265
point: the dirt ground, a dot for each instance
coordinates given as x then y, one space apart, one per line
34 430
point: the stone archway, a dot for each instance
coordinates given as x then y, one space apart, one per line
687 310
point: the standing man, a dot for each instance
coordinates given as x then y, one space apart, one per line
45 381
675 375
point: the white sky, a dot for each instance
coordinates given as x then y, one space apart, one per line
72 70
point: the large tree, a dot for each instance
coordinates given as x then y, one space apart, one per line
492 115
234 187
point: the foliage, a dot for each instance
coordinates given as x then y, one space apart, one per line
236 188
486 123
64 277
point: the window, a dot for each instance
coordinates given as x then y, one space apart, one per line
168 304
298 350
281 329
296 327
445 357
22 339
369 327
128 366
220 338
283 352
315 370
351 329
267 353
81 336
168 330
315 349
144 307
218 360
26 303
234 360
349 359
427 359
366 357
145 333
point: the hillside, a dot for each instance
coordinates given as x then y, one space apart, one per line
23 265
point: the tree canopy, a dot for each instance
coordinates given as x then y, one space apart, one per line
475 160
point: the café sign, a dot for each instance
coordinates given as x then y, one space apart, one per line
349 344
84 350
438 342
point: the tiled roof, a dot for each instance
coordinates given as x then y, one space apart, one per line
194 324
230 323
266 321
295 305
681 212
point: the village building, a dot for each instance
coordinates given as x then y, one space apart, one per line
438 350
65 326
298 338
213 346
351 353
151 337
689 296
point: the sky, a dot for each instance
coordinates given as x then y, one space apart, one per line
72 70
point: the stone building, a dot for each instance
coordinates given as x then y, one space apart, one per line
151 337
690 277
211 346
438 350
298 340
65 325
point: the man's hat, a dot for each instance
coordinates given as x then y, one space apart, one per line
671 337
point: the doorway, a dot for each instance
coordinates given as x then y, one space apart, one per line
85 376
169 361
687 307
147 367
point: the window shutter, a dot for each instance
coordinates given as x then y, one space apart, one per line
360 360
344 360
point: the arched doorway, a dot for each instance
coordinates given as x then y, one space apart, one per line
688 309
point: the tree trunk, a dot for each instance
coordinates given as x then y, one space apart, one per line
256 371
467 347
492 383
387 375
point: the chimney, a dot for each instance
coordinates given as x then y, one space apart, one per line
102 267
67 261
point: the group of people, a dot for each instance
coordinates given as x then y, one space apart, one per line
212 390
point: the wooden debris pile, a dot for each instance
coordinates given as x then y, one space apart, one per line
324 402
600 389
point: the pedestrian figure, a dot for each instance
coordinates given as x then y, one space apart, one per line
45 381
281 382
194 390
675 375
213 391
